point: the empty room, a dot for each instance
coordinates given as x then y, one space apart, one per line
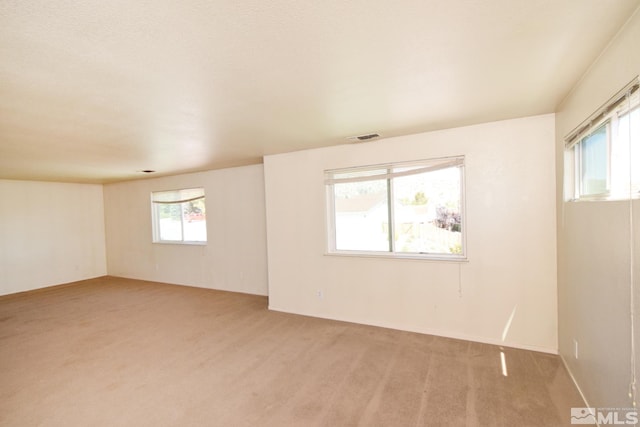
280 213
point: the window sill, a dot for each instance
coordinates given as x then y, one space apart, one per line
408 256
180 243
605 198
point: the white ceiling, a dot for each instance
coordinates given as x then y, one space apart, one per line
95 90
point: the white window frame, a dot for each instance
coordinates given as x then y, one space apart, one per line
608 115
426 165
157 199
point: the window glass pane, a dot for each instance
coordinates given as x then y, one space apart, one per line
593 159
170 221
427 212
361 216
625 155
620 177
195 223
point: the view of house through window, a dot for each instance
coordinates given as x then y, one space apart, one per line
411 209
179 216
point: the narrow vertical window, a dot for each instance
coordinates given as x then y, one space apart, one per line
625 154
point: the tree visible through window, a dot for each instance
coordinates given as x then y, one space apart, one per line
179 216
411 209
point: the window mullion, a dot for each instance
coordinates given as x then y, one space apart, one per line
182 221
579 185
610 127
576 172
155 211
391 214
332 217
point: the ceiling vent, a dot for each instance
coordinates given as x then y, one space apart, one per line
366 137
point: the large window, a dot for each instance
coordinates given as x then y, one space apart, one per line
603 154
404 209
179 216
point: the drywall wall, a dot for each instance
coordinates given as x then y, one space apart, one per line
50 233
234 257
504 294
594 247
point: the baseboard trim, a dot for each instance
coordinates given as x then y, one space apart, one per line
426 331
573 378
49 288
191 285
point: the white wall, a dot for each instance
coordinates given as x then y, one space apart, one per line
510 205
234 257
50 233
594 256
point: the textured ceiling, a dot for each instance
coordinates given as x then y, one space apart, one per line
95 91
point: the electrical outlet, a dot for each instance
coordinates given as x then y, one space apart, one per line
575 348
320 294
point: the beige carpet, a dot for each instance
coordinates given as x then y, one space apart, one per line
119 352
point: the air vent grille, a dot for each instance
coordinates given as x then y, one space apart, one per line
366 137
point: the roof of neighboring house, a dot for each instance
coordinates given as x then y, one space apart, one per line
359 204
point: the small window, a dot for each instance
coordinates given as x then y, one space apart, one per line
403 210
179 216
603 154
